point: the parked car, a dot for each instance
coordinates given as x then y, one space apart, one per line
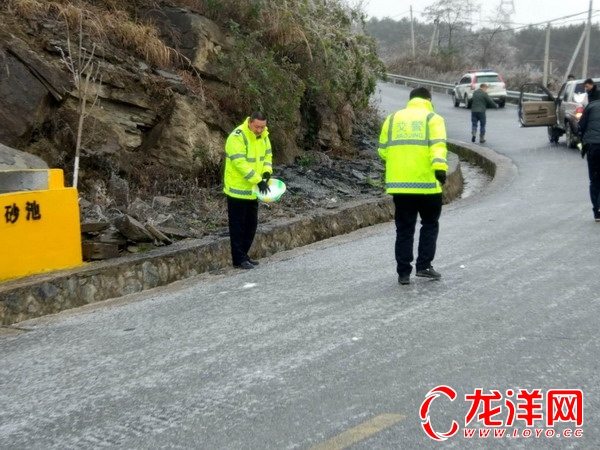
559 113
470 82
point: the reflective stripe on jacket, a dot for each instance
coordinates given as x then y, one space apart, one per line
413 145
247 157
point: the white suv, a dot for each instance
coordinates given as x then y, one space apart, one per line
470 82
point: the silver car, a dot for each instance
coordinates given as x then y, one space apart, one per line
559 113
470 82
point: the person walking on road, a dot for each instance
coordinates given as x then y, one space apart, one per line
412 144
248 162
589 131
480 102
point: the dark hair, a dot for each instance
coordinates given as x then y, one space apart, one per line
257 115
571 76
420 92
589 81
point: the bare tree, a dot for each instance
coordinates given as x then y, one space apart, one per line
454 14
85 72
492 44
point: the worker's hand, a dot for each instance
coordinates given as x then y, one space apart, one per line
440 175
582 149
263 187
266 176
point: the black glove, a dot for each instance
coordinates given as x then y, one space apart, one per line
266 176
583 150
440 175
263 187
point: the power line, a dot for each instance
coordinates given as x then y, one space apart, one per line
404 13
503 30
520 26
572 18
545 22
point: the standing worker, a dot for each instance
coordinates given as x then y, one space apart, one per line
480 102
413 145
589 130
248 162
591 90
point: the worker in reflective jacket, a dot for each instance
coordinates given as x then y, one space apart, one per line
248 162
413 145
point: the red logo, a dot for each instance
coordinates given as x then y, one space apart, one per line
565 405
518 414
432 395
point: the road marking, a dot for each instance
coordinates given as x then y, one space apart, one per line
360 432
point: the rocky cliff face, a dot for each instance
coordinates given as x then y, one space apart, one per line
148 133
143 115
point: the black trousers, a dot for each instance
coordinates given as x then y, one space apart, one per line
243 221
408 207
593 161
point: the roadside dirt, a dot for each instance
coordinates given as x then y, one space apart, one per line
317 180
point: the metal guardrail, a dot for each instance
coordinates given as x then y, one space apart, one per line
447 88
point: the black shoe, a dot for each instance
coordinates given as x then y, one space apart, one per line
429 273
473 138
253 262
244 265
404 279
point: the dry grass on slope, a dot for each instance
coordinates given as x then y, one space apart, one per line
101 21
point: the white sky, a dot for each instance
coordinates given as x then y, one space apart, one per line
526 11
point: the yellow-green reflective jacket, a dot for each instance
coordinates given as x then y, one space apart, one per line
247 157
413 145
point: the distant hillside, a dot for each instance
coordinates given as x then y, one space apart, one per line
518 53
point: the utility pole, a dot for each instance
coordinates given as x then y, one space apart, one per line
546 56
575 53
586 51
435 28
412 32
